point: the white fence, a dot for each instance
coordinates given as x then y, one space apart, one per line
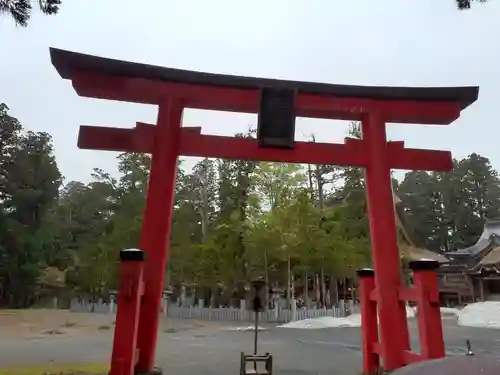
226 313
234 314
86 306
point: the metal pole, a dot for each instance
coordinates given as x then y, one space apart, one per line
256 338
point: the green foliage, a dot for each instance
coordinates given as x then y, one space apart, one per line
450 208
20 10
276 182
466 4
354 178
30 182
233 221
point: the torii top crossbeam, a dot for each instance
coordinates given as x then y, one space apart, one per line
141 83
104 78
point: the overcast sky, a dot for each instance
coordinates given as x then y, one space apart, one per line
364 42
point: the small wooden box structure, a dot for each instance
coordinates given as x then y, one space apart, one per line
266 359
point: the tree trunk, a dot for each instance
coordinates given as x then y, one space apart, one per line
266 278
213 296
323 287
320 182
205 204
334 290
345 288
288 284
353 291
317 290
306 287
311 185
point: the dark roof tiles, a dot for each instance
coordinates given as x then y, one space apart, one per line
68 63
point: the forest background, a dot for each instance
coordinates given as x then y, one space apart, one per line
233 220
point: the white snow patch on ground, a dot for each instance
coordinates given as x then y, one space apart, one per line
325 322
353 320
249 328
445 311
480 314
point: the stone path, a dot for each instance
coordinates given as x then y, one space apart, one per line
188 347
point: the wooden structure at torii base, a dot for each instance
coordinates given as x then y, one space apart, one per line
277 103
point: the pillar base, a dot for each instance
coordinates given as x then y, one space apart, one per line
155 371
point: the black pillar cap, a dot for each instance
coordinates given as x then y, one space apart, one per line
132 255
423 265
365 272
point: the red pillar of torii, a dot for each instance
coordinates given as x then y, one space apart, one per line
278 103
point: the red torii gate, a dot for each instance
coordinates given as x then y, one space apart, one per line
278 103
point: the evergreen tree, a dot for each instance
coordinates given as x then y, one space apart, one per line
21 10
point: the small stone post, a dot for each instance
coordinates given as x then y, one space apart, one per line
293 309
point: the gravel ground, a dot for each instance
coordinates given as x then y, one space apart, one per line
188 347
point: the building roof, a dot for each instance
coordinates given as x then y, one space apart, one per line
412 249
52 277
415 253
491 232
69 63
491 259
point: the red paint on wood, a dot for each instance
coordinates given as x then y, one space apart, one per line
138 90
372 152
429 314
105 138
127 318
369 323
385 249
408 295
166 141
156 225
417 159
192 143
426 296
138 139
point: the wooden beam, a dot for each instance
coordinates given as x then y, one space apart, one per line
248 149
412 158
141 138
139 90
105 138
138 139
